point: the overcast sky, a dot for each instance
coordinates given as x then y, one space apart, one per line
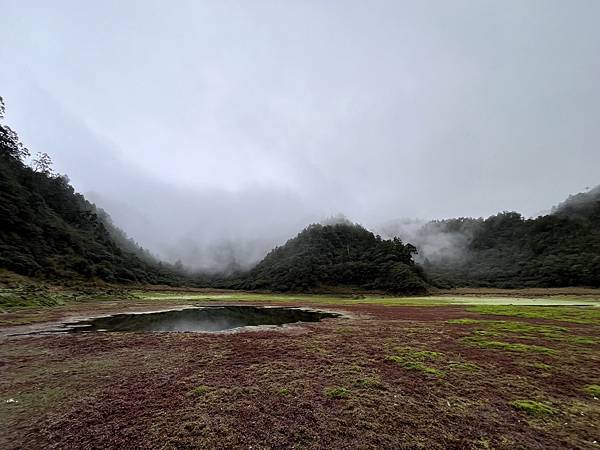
202 122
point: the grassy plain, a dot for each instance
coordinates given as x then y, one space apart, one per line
446 371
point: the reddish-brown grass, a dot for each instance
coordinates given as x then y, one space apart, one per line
271 389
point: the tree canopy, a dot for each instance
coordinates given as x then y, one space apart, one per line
506 250
337 255
48 230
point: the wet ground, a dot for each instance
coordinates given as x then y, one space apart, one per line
451 376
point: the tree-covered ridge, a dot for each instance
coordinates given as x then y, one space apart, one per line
507 250
582 205
48 230
337 255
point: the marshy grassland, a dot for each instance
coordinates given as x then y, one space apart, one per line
454 370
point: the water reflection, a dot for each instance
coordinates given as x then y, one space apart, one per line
213 318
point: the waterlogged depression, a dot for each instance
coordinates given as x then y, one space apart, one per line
207 319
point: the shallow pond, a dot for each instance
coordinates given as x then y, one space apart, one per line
210 318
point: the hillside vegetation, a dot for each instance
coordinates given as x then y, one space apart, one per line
47 230
507 250
337 255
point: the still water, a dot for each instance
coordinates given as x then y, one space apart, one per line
211 318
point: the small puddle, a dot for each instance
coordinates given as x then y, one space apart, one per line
210 318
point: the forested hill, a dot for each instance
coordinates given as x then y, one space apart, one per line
337 255
506 250
47 230
580 206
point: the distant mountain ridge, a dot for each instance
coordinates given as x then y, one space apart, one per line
47 230
507 250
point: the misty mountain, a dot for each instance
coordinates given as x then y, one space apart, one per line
50 231
508 250
47 230
582 205
337 255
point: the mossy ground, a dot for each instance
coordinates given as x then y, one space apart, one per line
337 392
381 377
508 346
199 391
533 408
593 390
415 359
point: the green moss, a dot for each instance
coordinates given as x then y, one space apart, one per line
486 333
497 330
413 354
354 368
416 365
583 340
40 398
533 408
525 328
414 359
30 297
49 396
484 301
507 346
344 330
36 298
199 391
579 314
314 348
336 392
542 366
593 390
369 383
484 443
463 321
463 367
284 392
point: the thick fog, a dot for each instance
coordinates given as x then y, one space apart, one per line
211 131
